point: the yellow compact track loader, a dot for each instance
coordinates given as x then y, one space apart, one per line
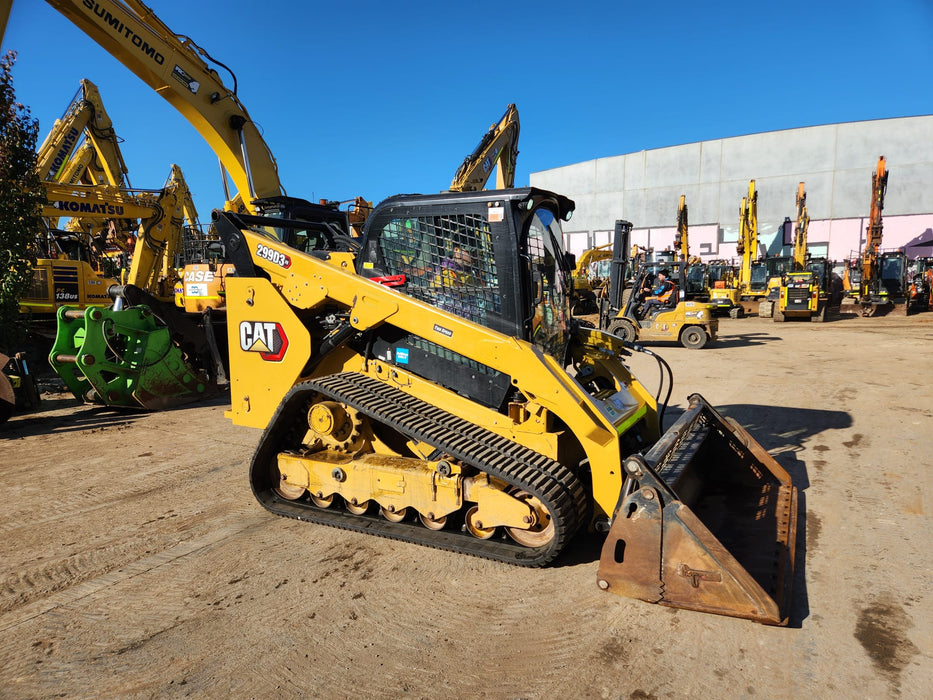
433 387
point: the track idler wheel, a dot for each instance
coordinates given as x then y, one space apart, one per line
288 491
357 508
541 530
475 527
432 523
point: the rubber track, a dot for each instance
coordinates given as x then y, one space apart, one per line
558 488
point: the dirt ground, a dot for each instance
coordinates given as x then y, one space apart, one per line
136 563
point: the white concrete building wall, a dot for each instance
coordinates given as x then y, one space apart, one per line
835 161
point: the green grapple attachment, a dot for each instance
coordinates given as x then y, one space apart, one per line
126 358
706 521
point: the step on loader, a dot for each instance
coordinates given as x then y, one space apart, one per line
434 388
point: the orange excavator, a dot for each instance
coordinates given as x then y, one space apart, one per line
883 287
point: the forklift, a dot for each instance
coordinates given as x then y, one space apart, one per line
691 323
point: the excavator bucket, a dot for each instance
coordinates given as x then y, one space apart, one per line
124 358
706 521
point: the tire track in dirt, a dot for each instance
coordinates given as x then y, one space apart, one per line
89 544
102 488
241 521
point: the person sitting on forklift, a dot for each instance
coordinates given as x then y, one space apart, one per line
661 294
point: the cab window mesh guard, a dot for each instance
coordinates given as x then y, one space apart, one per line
448 262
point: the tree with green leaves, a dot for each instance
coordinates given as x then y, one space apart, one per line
21 198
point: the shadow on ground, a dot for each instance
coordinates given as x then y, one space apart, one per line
53 416
743 340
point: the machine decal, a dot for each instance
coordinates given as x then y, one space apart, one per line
182 77
122 30
71 138
65 282
443 331
89 208
199 275
273 256
401 356
266 338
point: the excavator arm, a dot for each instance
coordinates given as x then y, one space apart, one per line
748 235
160 238
85 118
175 67
497 148
681 241
873 234
800 230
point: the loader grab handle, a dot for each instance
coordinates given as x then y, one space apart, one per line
706 521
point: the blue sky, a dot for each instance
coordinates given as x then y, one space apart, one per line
378 98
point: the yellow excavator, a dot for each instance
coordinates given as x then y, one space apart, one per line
64 271
696 275
85 177
435 389
808 290
586 282
743 295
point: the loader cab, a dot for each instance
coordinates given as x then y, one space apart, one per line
492 257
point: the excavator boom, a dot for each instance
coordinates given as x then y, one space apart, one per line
175 67
85 118
681 240
800 230
497 148
874 231
748 236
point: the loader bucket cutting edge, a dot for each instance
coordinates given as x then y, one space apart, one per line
708 522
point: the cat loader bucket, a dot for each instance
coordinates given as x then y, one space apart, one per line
706 521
